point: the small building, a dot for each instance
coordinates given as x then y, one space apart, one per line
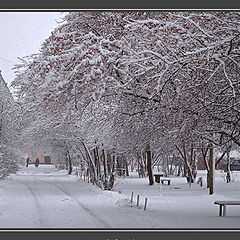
43 156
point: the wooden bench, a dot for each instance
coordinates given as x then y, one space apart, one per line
158 176
165 180
223 206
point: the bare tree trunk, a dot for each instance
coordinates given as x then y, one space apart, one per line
188 164
118 166
96 160
140 165
70 166
109 160
179 169
206 162
105 182
98 163
228 177
132 165
112 177
149 165
92 166
184 173
126 167
211 166
68 162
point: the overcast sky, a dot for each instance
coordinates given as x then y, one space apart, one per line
21 34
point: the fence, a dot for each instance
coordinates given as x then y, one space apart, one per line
138 202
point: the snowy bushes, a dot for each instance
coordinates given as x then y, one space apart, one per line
8 131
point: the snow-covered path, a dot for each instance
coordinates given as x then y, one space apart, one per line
44 197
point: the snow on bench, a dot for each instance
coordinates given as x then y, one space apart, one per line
165 180
223 204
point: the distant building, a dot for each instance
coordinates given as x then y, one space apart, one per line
234 156
201 164
44 158
234 159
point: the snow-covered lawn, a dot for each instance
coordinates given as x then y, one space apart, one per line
45 197
179 205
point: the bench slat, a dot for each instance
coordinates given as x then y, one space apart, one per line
227 202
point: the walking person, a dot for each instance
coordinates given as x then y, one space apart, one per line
27 162
37 162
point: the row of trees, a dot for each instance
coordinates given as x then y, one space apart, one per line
114 87
9 144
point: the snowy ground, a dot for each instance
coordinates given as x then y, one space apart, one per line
47 198
182 206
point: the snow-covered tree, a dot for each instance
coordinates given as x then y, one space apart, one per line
115 86
9 135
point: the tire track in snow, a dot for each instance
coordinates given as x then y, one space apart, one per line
41 219
89 211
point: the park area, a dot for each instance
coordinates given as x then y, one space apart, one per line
103 102
48 198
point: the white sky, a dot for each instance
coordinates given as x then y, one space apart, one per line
21 34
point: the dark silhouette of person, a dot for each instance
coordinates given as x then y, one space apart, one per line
27 162
37 162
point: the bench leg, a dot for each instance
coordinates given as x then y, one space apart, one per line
220 210
168 182
224 210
